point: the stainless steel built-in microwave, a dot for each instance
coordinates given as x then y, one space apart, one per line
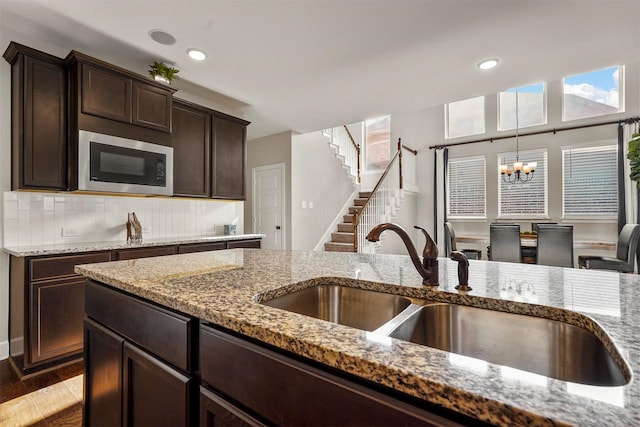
119 165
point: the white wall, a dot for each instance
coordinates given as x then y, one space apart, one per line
317 177
268 151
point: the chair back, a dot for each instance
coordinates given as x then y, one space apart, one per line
504 240
450 238
627 244
555 245
534 225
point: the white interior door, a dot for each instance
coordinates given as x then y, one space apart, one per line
268 205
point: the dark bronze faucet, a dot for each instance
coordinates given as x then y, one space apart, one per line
428 268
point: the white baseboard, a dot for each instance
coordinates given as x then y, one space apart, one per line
4 350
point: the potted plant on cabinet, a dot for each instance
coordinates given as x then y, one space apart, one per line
163 72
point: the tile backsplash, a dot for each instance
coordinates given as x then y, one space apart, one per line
32 218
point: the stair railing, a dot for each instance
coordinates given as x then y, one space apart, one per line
347 148
377 208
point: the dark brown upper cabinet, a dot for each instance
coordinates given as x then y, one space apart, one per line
191 136
106 94
229 157
108 99
152 106
38 119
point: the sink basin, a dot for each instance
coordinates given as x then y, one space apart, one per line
542 346
358 308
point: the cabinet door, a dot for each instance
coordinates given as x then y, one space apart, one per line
43 151
217 412
191 141
57 310
229 145
145 253
154 394
106 94
151 107
103 376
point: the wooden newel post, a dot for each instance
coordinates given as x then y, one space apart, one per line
400 160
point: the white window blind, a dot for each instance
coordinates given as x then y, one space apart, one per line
528 200
466 187
590 181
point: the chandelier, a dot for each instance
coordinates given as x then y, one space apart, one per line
519 173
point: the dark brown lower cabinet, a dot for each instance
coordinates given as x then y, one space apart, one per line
125 382
217 412
286 391
154 394
131 380
46 308
57 309
103 382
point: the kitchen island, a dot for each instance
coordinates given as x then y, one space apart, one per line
223 289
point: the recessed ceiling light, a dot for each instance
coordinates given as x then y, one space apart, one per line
162 37
488 64
196 54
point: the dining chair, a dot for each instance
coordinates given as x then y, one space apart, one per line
624 260
451 244
555 245
504 242
534 225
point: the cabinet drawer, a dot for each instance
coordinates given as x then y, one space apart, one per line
288 392
145 253
52 267
201 247
244 244
163 332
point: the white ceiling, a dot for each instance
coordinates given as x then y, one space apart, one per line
307 64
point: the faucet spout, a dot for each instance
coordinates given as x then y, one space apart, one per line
428 267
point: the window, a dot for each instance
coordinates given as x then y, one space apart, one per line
466 187
590 181
531 107
593 94
524 200
377 136
464 118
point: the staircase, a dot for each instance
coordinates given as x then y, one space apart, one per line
346 149
342 240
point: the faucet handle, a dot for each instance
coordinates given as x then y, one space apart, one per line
463 271
430 250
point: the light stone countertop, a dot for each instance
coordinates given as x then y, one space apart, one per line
79 247
222 287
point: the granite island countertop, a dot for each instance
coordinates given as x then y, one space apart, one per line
79 247
222 287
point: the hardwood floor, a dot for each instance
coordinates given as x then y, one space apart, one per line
53 398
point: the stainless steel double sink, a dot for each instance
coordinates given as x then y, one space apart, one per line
543 346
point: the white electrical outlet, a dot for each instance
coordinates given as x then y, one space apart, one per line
310 205
304 204
146 229
69 231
